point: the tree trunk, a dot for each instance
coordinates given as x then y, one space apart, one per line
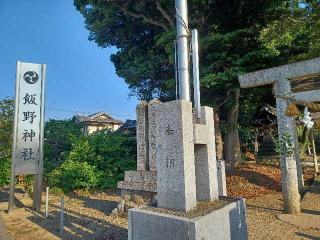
219 142
232 142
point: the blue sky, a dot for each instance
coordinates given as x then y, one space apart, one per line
80 76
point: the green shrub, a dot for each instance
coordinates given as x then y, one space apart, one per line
115 155
58 136
246 134
4 171
56 191
82 150
72 175
111 153
27 183
98 161
6 132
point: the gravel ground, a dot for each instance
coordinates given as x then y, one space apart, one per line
264 224
86 217
89 216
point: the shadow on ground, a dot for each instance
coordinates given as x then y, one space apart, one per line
258 179
80 226
308 211
103 206
307 236
4 196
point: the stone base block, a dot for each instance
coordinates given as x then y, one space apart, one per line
138 186
141 183
140 176
148 197
227 222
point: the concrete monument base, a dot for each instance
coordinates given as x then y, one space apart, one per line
227 222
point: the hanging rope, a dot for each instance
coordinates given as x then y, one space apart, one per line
292 110
310 105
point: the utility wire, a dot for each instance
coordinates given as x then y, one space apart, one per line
81 112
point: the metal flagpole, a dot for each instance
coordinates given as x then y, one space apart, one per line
176 69
182 48
196 79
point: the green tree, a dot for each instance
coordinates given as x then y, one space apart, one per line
105 155
295 36
232 42
6 132
4 171
58 136
72 175
116 153
6 127
144 33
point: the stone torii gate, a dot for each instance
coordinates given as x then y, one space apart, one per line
283 77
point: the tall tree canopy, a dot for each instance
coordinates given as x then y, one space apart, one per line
236 36
144 33
6 133
6 127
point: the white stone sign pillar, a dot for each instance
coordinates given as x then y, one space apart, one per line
27 155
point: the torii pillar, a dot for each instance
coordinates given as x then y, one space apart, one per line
291 170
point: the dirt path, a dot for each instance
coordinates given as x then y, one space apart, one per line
264 224
85 218
89 216
4 235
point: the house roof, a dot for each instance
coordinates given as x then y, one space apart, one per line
100 117
265 116
129 124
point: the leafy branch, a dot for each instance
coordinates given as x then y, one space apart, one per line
124 8
285 146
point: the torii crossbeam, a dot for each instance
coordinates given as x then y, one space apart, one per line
291 171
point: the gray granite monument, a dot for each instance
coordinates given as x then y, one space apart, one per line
187 182
181 149
143 182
